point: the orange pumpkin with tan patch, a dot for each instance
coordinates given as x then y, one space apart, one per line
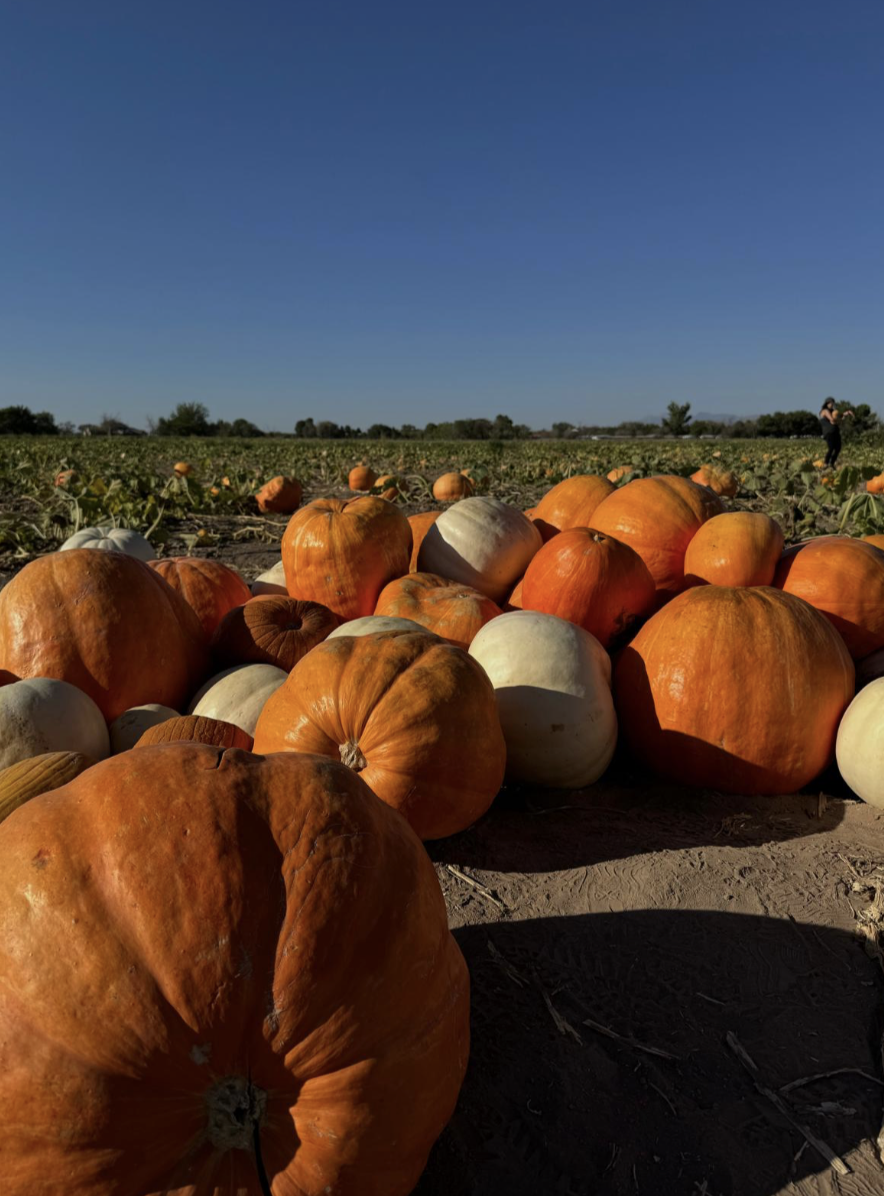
452 611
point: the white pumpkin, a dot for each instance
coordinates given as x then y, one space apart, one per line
271 582
40 714
553 686
859 747
480 542
238 695
112 539
126 730
369 624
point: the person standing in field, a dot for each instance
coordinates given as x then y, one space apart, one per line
829 417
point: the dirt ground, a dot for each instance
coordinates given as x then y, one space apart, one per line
673 993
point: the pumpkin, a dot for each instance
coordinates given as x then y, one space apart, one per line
413 715
38 774
272 581
620 471
514 602
280 496
113 627
592 580
869 668
721 481
209 588
480 542
238 695
450 487
739 548
859 747
372 624
361 478
658 517
844 579
875 485
271 629
126 730
390 486
40 715
420 525
877 541
553 686
453 612
342 554
247 960
66 477
695 706
182 469
572 503
111 539
193 728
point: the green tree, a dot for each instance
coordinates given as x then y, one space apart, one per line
188 419
21 421
677 420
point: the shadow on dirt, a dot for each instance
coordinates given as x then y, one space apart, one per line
651 1098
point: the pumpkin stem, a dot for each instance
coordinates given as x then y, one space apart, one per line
352 757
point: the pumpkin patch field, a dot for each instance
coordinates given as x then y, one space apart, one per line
415 817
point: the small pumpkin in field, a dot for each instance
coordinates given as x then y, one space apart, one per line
719 480
420 525
876 485
280 496
115 629
182 469
40 714
66 477
249 955
414 716
571 503
738 548
844 579
553 686
194 728
127 729
452 611
658 517
271 581
38 774
271 629
619 471
695 709
480 542
361 478
450 487
238 695
342 554
111 539
390 486
592 580
209 588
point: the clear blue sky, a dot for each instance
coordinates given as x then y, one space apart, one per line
394 210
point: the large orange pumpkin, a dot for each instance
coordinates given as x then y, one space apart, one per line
739 548
240 978
571 503
420 525
209 587
271 629
104 622
196 728
658 517
449 487
280 496
739 690
453 611
416 717
342 554
843 578
592 580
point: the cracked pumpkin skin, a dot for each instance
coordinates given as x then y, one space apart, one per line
416 717
699 703
202 950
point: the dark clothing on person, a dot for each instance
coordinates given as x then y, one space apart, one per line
832 436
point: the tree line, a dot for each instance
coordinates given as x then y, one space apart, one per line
193 419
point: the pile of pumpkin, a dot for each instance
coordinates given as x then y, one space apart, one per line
225 962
